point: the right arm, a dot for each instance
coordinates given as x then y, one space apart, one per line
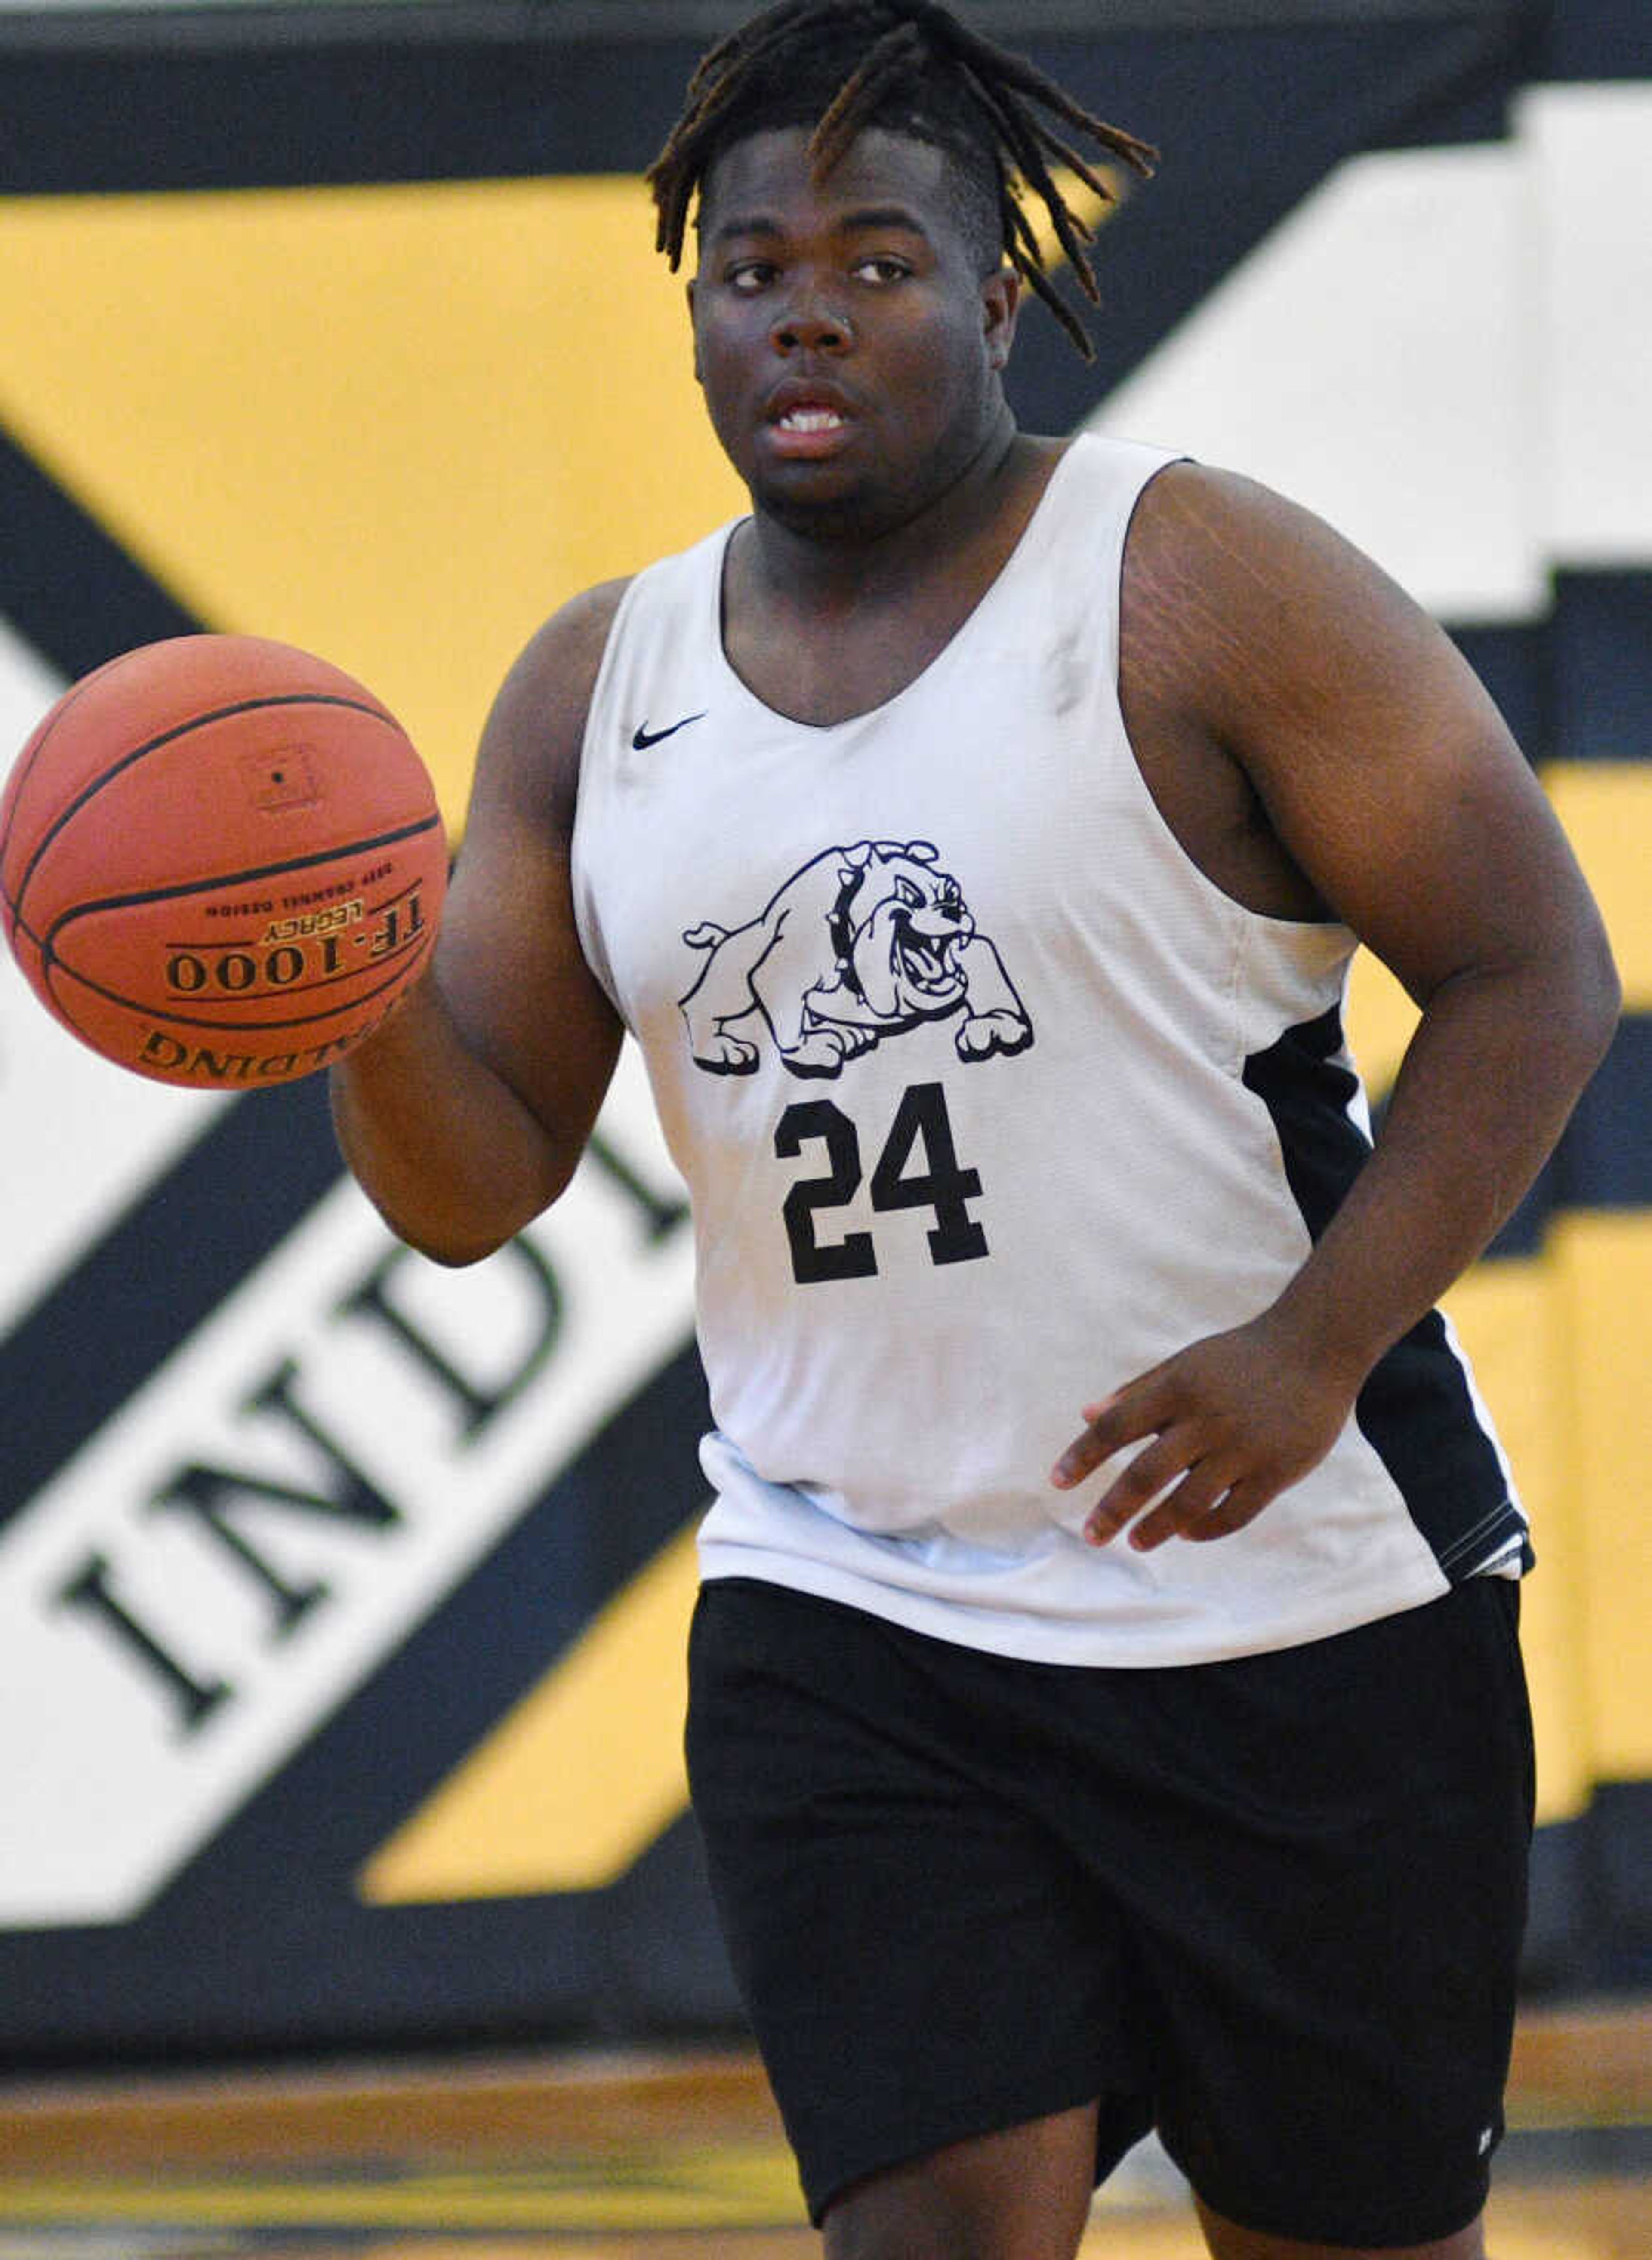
466 1113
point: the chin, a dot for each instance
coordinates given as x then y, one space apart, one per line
806 506
852 511
840 518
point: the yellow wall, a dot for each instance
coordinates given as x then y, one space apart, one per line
395 425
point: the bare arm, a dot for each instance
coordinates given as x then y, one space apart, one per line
1394 795
467 1113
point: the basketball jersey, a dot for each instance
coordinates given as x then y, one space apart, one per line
987 1099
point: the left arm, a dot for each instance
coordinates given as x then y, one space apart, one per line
1388 780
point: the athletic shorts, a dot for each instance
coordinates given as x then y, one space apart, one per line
1271 1907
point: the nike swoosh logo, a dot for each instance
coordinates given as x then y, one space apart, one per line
643 737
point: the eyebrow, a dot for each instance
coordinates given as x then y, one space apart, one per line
869 219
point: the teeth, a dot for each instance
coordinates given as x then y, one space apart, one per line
811 419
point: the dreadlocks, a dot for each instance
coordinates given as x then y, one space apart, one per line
839 66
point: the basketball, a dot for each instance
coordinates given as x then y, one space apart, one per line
221 861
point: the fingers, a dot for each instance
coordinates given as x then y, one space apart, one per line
1156 1466
1124 1418
1222 1428
1174 1487
1237 1507
1199 1509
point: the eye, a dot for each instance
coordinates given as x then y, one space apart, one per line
749 275
881 267
905 892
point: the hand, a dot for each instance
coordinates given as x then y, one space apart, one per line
1236 1418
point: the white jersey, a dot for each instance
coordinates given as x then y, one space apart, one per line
987 1099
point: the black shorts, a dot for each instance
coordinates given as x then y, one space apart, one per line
1270 1906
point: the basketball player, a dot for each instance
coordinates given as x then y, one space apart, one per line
1106 1708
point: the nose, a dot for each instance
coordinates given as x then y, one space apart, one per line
809 324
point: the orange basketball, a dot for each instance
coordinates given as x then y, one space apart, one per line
221 861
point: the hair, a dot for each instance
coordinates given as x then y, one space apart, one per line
910 67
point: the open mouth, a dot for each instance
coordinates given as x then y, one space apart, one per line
803 424
925 964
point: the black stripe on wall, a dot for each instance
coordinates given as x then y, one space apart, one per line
1512 662
66 585
363 104
315 1967
1596 39
1604 1157
163 1269
1600 656
237 113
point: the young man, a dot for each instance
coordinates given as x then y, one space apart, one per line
1106 1708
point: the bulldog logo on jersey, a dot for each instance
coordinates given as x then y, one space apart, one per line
860 945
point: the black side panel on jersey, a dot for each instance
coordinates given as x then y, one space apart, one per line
1416 1409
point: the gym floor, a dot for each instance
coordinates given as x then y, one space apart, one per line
654 2157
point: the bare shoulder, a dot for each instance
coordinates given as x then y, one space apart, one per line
509 959
1253 621
530 748
1257 604
1378 762
563 656
510 908
1258 651
1234 524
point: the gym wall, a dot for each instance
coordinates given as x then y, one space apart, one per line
342 1598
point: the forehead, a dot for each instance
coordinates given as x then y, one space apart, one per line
767 177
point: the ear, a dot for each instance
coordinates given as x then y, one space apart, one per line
1000 304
